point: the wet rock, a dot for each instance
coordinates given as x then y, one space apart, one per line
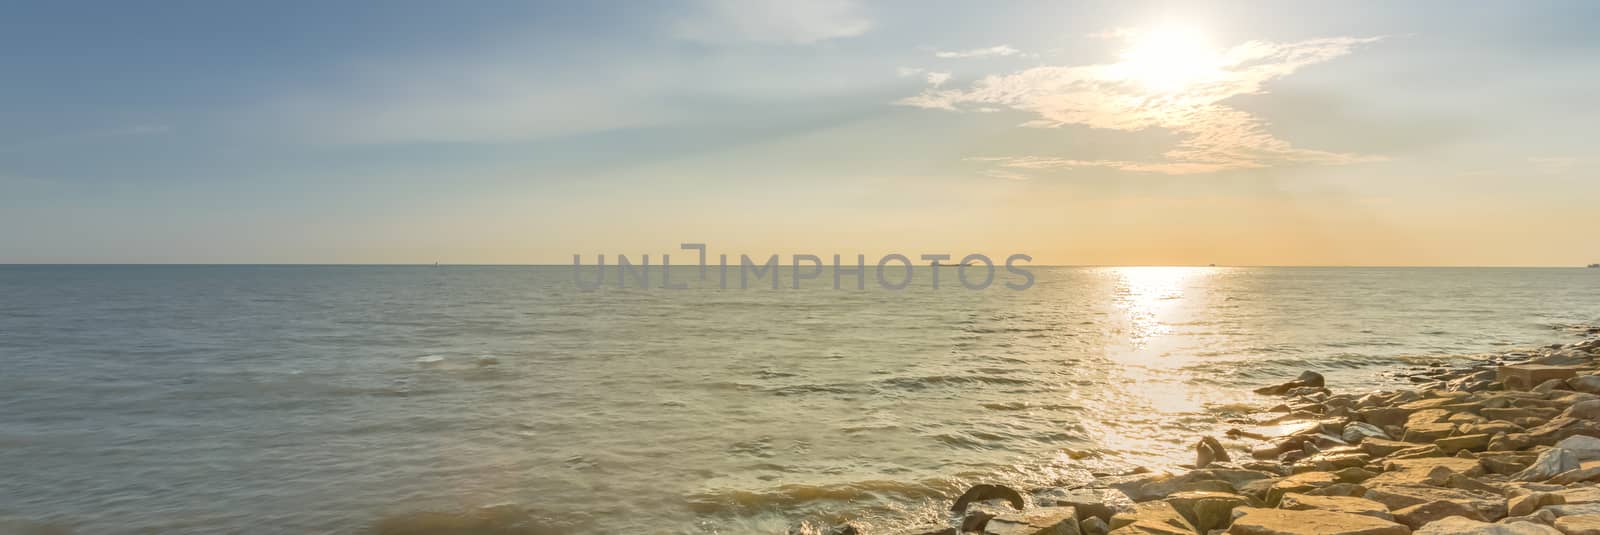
1528 503
1308 379
1338 504
1256 521
977 517
1090 503
1550 463
1418 515
1036 521
1464 526
1209 479
983 492
929 530
1209 450
1206 510
1579 525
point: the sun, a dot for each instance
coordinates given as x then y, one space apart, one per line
1169 59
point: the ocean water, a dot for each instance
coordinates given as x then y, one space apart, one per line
278 399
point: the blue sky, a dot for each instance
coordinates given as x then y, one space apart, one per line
1415 133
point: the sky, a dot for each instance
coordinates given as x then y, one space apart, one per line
1125 133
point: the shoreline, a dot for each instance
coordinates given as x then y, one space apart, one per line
1508 443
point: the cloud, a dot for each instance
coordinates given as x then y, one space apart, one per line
724 22
1139 93
998 50
937 79
906 72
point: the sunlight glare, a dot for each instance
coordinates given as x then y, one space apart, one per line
1169 59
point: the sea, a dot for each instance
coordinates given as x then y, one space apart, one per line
354 399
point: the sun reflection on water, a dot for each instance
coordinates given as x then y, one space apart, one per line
1152 301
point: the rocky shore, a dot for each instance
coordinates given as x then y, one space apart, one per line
1509 445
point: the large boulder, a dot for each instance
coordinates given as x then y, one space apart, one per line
1257 521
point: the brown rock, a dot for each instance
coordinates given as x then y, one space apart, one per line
1209 450
1579 525
1378 447
1255 521
1428 432
1584 410
1401 496
1526 376
1418 515
1456 525
1450 445
1036 521
1338 504
1206 510
1528 503
1299 483
1151 518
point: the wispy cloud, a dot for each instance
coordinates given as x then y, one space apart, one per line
937 79
1119 96
724 22
998 50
